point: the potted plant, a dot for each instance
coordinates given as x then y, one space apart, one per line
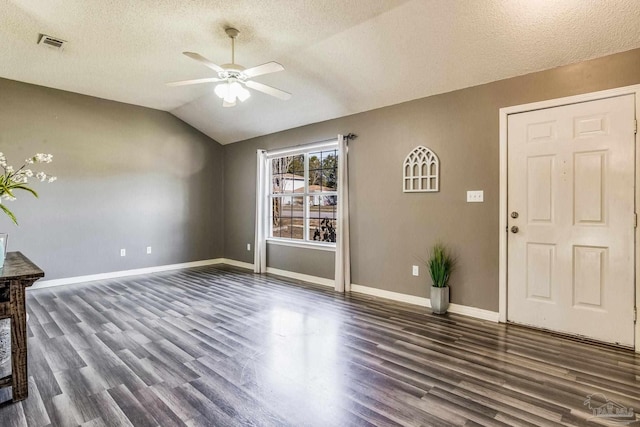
440 264
12 179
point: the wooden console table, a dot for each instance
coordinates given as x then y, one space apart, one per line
17 274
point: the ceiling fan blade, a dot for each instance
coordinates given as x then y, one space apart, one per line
194 82
268 90
269 67
204 61
228 104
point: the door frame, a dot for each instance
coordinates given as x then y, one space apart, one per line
503 243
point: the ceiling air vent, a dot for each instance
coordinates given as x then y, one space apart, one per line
51 42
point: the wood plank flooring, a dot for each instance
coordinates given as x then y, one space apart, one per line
216 346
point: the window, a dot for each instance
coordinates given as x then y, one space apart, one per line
303 198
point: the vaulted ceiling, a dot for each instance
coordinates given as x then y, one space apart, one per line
341 57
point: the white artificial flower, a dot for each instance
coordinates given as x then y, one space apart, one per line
43 158
18 179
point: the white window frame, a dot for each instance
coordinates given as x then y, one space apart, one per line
296 151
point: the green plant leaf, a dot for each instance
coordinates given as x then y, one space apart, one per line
440 264
25 188
7 190
8 212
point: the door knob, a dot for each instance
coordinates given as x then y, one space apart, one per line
514 214
515 229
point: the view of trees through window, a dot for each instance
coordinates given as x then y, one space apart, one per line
304 196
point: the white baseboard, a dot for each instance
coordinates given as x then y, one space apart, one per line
395 296
123 273
304 277
466 310
477 313
235 263
284 273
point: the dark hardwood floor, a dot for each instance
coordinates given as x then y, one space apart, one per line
215 346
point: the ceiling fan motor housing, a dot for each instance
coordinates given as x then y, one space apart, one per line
232 71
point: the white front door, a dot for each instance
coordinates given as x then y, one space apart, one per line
571 172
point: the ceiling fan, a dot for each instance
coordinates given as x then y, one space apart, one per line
235 77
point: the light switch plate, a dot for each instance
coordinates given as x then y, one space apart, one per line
416 270
476 196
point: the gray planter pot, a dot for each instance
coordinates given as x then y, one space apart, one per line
439 299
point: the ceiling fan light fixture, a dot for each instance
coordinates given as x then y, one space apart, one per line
244 94
230 99
229 92
235 88
222 90
238 91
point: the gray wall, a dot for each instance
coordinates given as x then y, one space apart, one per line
128 177
390 230
316 262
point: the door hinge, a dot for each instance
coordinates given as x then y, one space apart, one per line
635 314
635 126
635 220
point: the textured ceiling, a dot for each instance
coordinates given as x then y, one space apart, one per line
341 57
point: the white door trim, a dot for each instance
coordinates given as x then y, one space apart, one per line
504 114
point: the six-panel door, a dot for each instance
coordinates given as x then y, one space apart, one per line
571 182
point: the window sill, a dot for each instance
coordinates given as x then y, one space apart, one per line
306 245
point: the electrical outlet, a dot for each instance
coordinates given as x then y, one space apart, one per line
475 196
148 249
123 252
248 246
416 270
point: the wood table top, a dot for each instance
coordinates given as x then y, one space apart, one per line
18 266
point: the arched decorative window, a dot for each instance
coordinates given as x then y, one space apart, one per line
421 171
